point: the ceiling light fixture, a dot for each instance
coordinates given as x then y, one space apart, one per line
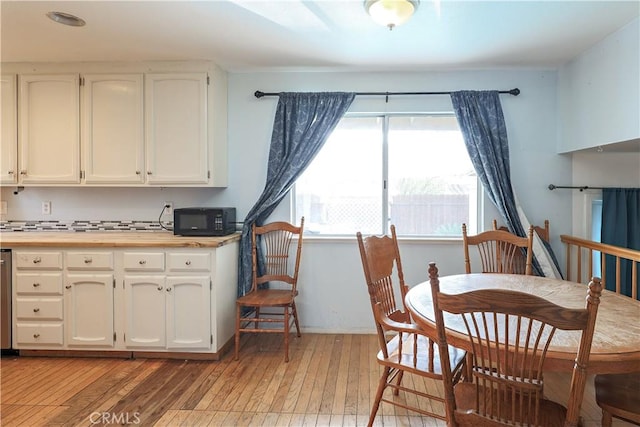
66 19
391 13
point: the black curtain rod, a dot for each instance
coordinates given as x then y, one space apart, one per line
514 92
584 187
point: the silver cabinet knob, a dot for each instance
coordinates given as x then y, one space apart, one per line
88 260
68 287
37 260
36 285
36 336
159 288
168 289
149 173
142 262
10 172
35 310
23 172
188 263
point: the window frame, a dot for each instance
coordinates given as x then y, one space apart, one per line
475 218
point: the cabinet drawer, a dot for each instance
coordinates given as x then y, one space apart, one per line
39 260
39 283
197 261
39 333
144 261
39 308
89 260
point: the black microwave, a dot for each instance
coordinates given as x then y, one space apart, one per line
204 221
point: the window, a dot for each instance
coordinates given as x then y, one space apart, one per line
412 171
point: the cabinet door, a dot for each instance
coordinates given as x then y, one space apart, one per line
176 128
9 141
144 311
188 312
49 138
89 309
112 129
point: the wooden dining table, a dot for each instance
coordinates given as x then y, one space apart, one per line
616 340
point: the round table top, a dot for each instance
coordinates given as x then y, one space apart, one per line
616 340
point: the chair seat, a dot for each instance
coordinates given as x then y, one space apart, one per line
551 413
619 394
419 360
267 297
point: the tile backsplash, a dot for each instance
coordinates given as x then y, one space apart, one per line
84 226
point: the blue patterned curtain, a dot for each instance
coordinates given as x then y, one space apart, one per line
302 124
620 227
479 114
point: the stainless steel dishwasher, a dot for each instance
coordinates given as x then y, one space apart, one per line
5 298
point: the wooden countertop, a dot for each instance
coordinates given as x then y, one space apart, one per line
128 239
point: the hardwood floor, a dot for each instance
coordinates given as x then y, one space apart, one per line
329 381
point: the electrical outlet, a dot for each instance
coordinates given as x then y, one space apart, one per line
46 208
168 208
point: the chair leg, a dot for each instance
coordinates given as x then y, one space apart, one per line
286 334
396 391
606 419
295 317
237 350
381 386
256 323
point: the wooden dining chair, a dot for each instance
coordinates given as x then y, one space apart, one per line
618 395
499 251
404 347
510 333
520 259
274 285
543 232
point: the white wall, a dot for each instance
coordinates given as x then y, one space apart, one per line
333 295
332 291
599 93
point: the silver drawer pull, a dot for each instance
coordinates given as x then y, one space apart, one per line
37 260
168 289
23 172
159 288
36 285
188 262
142 262
35 310
88 260
68 287
36 335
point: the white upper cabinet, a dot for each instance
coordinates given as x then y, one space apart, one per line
149 124
176 128
112 128
9 126
49 131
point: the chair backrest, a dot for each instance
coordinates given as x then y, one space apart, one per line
543 232
500 251
510 333
275 241
380 257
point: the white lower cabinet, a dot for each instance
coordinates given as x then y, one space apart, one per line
188 312
147 300
167 311
88 302
37 300
144 311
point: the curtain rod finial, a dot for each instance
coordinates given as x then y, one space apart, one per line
552 187
258 94
515 92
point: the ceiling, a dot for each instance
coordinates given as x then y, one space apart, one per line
260 35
